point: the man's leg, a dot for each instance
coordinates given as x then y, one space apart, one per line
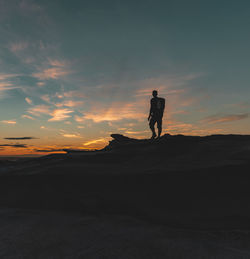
159 126
152 127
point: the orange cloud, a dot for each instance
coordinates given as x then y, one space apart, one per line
27 117
176 127
228 118
72 135
79 119
28 100
5 85
38 110
70 103
59 95
60 114
45 98
7 76
58 63
91 142
115 112
51 73
40 83
55 70
130 132
12 122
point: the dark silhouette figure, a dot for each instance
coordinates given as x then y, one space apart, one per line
156 113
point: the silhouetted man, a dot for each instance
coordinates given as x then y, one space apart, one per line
156 113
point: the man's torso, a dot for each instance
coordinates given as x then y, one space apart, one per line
157 106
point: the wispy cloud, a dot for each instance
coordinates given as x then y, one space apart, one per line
18 46
70 103
130 132
27 117
12 122
45 98
177 127
58 63
39 109
60 114
51 73
162 90
5 86
40 83
59 95
79 119
7 76
115 112
55 69
227 118
166 85
242 105
95 141
71 135
28 100
6 83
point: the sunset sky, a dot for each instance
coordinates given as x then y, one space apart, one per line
73 72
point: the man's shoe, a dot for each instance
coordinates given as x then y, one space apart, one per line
153 136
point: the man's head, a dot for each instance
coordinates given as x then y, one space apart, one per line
155 93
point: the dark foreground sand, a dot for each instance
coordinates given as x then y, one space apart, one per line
48 234
179 197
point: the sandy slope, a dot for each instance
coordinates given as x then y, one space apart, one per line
178 197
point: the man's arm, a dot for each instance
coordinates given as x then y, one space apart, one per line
163 105
150 111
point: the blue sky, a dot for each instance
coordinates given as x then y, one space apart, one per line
72 72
